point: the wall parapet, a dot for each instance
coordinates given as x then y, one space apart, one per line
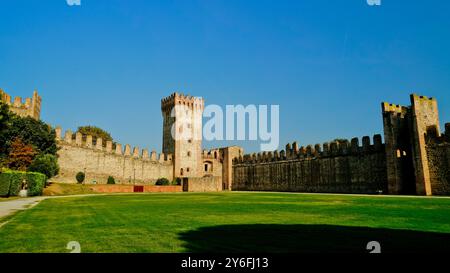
325 150
31 107
433 136
93 143
212 154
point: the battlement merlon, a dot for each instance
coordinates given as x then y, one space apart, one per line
89 142
212 154
176 98
332 149
31 107
393 108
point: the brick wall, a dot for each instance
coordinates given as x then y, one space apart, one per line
130 188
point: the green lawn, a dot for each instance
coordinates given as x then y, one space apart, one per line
230 222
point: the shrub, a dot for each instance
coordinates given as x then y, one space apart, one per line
162 182
111 180
5 183
80 177
16 178
35 181
46 164
177 181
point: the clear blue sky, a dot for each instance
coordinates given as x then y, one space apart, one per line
328 64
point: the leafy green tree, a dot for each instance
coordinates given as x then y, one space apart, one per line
46 164
5 116
5 120
95 132
33 132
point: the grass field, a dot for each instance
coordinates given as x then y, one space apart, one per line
230 222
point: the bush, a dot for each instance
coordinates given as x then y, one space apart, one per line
5 183
16 179
162 182
80 177
46 164
111 180
176 182
35 181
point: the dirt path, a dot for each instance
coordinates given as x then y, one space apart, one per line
9 207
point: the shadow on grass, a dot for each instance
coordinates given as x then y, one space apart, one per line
268 238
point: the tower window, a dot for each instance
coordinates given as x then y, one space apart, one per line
189 153
187 170
182 171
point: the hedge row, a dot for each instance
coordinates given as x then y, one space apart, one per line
11 181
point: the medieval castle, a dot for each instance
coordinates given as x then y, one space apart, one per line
414 158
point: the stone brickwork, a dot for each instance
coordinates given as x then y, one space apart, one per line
187 151
31 107
415 159
405 128
128 166
332 167
203 184
438 156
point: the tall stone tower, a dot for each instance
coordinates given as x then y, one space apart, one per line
182 133
31 107
425 119
405 129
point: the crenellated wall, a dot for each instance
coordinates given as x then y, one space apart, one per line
30 108
438 155
344 167
127 165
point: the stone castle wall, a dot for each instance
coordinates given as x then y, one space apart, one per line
334 168
204 184
98 161
438 153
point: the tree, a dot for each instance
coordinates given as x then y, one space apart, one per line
80 177
5 116
95 132
46 164
33 132
5 120
21 155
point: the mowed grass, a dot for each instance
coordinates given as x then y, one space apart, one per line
230 222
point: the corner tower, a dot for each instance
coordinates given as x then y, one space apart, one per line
31 107
182 133
405 128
